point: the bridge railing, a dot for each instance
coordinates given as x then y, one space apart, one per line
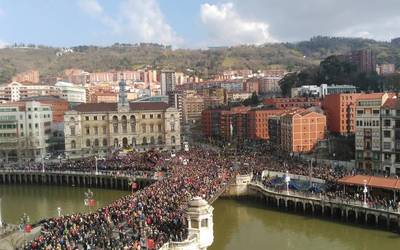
134 174
326 198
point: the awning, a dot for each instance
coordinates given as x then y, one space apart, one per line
372 181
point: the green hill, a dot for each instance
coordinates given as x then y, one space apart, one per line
204 63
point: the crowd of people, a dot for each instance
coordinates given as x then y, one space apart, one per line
155 213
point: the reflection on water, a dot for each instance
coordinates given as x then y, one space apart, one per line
42 201
242 225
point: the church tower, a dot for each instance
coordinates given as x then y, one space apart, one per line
123 104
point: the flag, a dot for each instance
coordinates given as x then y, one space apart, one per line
92 202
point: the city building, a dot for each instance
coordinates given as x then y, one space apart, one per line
16 91
30 76
301 130
269 84
368 131
25 128
74 94
251 85
99 128
58 105
274 130
322 90
365 60
104 97
76 76
168 81
385 69
192 106
258 122
340 112
296 102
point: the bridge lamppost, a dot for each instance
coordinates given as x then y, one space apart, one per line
365 191
287 180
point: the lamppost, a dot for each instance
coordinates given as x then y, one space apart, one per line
287 180
42 165
1 221
365 191
59 211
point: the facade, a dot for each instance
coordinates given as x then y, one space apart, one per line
58 106
340 112
274 130
251 85
16 91
71 92
390 134
192 106
30 76
25 129
288 103
258 122
269 84
385 69
365 60
322 90
168 81
301 130
368 131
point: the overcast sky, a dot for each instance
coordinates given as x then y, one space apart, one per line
193 23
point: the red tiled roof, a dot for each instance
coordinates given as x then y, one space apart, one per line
372 181
391 103
106 107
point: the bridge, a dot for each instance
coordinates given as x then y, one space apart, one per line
103 179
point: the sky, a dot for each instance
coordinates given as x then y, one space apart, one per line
193 23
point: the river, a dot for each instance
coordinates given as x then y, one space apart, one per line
238 225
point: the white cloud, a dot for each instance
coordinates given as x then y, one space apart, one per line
146 20
226 26
139 20
91 7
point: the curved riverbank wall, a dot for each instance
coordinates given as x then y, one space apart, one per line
314 205
109 181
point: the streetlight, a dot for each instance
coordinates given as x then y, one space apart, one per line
59 211
287 180
365 191
1 221
42 164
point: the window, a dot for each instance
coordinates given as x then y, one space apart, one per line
87 130
143 128
173 140
386 122
36 125
387 156
172 126
152 140
151 116
159 116
104 130
204 223
387 145
96 130
87 143
386 134
375 111
397 159
96 142
115 127
151 128
73 144
159 127
72 128
104 142
103 117
160 140
87 118
29 117
143 116
95 118
360 112
144 141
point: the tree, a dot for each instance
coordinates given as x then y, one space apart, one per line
252 100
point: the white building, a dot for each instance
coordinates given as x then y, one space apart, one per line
322 90
16 91
71 92
24 131
168 81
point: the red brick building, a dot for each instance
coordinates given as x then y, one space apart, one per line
258 122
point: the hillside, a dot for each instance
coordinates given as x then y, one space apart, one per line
205 63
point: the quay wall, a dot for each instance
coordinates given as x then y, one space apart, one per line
78 179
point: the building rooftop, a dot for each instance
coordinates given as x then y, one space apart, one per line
372 181
107 107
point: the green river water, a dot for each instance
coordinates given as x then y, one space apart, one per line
238 225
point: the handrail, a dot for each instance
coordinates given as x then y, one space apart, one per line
324 198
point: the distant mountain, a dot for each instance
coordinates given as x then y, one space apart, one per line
52 61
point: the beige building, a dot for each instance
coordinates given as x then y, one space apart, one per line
98 128
192 106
